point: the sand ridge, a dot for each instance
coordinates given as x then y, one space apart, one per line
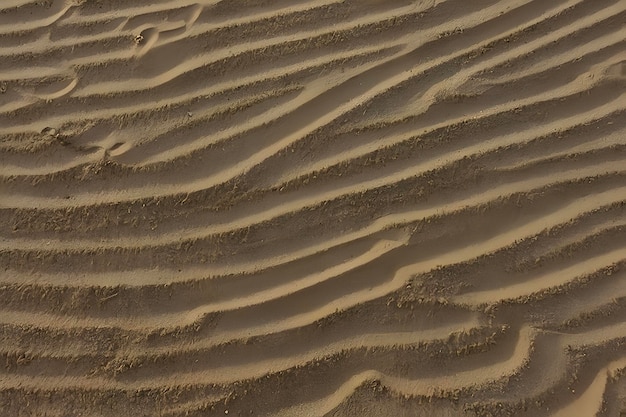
314 207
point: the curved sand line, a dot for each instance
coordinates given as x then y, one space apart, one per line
312 208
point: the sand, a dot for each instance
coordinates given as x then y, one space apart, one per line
308 208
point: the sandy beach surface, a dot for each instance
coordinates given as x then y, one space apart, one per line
312 208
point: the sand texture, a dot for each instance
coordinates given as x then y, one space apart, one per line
312 208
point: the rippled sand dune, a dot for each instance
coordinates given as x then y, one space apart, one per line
308 208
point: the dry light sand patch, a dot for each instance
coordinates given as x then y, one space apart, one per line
308 208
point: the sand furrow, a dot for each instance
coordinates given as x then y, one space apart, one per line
230 173
224 368
555 248
314 207
477 197
305 305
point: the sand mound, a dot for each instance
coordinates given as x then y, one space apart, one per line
302 208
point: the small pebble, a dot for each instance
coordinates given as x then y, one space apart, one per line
48 131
